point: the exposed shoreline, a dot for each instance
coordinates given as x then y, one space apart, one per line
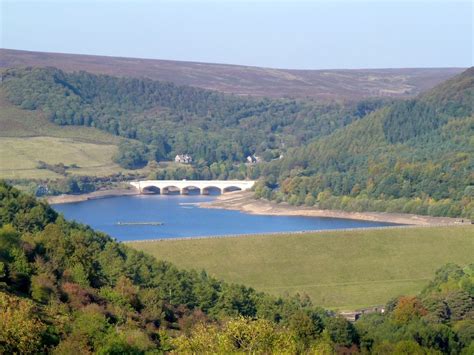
55 200
243 201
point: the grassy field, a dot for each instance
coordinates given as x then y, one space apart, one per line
20 157
339 270
15 122
27 137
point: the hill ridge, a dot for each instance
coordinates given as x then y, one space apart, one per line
246 80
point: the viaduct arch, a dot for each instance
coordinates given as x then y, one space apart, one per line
184 187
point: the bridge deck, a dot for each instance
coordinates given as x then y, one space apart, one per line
184 186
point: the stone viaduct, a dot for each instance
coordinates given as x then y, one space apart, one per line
185 186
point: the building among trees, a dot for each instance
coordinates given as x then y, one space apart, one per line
252 159
183 159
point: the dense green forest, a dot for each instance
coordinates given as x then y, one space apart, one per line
414 156
65 288
169 119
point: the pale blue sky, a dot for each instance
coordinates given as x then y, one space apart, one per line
284 34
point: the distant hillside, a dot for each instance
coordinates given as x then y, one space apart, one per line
172 119
243 80
414 156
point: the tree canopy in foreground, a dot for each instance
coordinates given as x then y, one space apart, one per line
66 288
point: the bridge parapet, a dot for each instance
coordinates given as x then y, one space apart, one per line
183 186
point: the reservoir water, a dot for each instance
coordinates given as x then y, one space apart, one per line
125 218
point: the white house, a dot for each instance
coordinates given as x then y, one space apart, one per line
183 159
252 159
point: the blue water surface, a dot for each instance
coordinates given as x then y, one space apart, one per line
182 218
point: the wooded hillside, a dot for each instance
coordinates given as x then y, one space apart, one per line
173 119
413 156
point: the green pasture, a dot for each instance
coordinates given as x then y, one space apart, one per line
339 270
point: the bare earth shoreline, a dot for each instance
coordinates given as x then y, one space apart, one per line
90 196
243 201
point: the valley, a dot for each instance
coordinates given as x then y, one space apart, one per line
335 155
351 156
